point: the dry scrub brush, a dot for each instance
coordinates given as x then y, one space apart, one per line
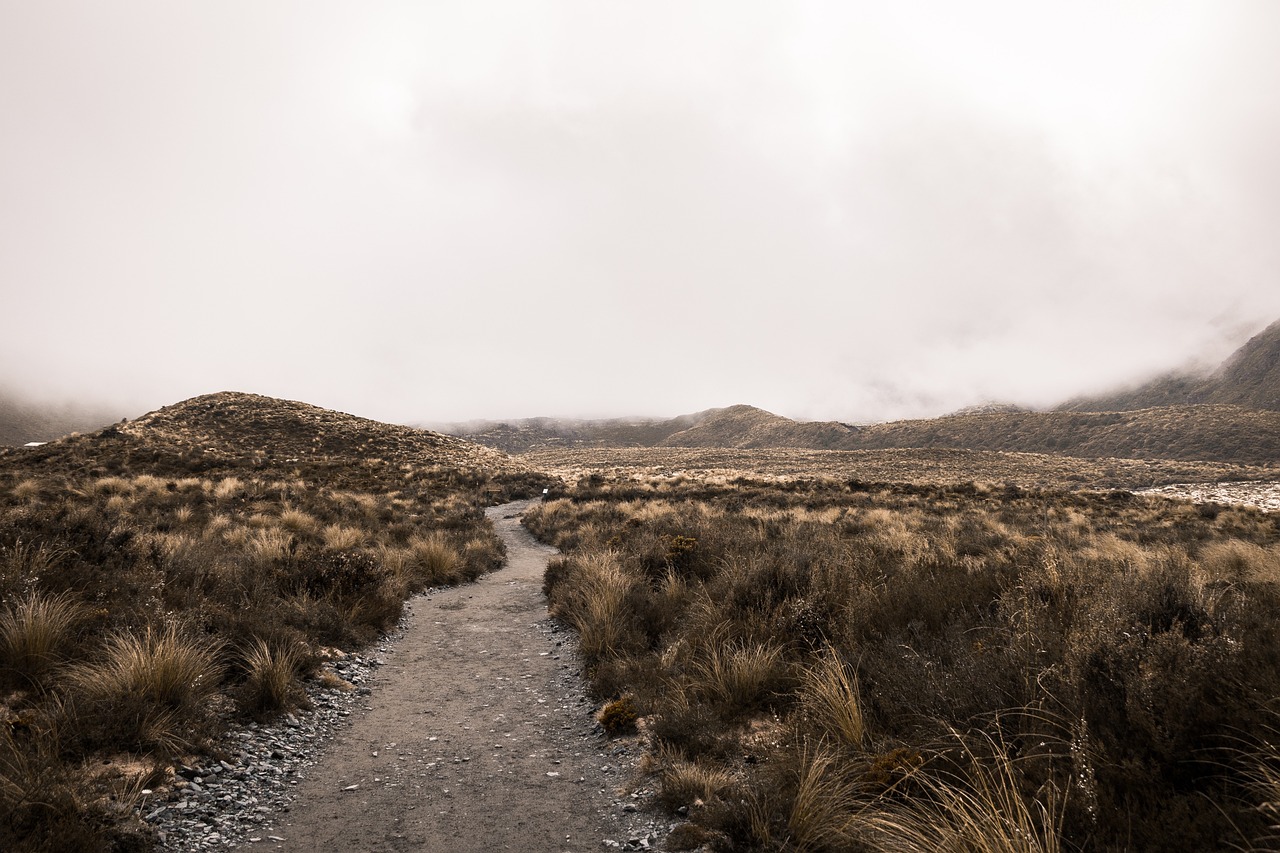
868 623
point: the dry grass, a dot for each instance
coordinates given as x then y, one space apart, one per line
434 557
831 699
159 666
338 537
689 783
596 608
739 675
820 817
35 632
731 612
981 810
271 676
1027 470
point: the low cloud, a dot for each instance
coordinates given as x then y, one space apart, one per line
828 210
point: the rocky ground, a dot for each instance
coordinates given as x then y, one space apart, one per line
1264 496
470 730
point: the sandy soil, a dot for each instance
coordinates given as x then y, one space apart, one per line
477 736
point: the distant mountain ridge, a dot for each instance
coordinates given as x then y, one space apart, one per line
1231 415
22 421
1250 378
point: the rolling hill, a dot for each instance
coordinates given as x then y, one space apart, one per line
238 433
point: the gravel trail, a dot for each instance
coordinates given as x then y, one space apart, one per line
476 736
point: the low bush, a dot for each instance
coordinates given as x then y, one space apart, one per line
910 667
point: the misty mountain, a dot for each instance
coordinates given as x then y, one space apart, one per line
22 420
1250 377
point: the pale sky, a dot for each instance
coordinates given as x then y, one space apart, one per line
442 211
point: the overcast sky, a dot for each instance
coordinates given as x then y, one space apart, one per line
438 211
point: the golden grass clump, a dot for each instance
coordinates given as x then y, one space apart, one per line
269 544
160 666
1234 561
821 813
338 537
227 488
690 783
35 630
831 700
596 610
27 489
271 676
105 486
740 675
983 809
435 557
298 522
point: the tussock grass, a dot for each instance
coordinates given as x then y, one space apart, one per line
35 632
982 808
271 676
158 666
435 558
739 675
26 489
595 607
820 816
689 783
226 488
830 697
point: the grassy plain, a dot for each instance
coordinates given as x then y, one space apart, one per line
1027 470
832 664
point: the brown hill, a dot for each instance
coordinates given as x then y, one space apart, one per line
749 427
232 432
1249 378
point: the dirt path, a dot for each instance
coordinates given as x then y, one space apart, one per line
477 736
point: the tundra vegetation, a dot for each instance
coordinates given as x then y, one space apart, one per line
825 664
154 590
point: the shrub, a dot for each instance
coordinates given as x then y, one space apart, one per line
619 716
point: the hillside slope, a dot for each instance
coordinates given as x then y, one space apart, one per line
1216 433
1209 433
